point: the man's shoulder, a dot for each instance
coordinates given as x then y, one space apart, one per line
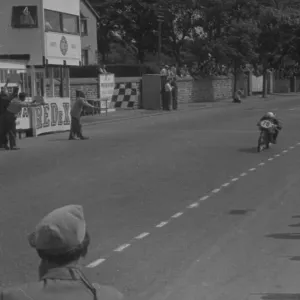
107 292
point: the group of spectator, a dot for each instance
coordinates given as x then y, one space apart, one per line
11 105
61 240
173 71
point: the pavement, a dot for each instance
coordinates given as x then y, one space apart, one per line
127 114
179 205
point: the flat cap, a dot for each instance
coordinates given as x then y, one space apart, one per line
60 231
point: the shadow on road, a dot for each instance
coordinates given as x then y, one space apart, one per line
296 216
294 258
285 236
240 211
248 150
295 225
280 296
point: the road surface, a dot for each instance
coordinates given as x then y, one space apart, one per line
179 206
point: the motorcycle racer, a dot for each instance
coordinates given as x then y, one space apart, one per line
270 116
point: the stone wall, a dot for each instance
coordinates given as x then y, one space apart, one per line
185 89
212 89
222 87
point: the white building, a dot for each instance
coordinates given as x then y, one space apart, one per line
40 39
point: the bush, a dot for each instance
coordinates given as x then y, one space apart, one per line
120 70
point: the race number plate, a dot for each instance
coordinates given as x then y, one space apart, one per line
266 124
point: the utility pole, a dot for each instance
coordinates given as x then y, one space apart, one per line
160 20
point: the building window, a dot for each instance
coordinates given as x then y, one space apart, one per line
85 57
26 83
58 82
61 22
70 24
24 17
83 26
52 21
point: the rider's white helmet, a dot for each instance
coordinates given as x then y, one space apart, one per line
270 115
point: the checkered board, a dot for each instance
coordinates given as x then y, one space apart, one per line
125 95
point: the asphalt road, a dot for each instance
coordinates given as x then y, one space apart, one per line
179 206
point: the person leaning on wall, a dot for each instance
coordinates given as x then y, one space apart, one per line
61 240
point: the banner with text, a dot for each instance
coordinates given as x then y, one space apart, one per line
52 117
107 88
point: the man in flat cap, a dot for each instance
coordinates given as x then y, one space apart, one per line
61 240
76 127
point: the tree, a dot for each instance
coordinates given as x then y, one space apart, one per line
277 34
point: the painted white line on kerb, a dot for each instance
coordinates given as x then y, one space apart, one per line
194 205
252 169
96 263
292 147
122 247
142 235
277 155
270 159
177 215
284 151
161 224
234 179
215 191
243 174
261 164
226 184
204 198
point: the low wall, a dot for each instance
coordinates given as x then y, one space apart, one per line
212 89
126 94
185 89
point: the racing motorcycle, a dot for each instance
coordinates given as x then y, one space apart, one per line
266 128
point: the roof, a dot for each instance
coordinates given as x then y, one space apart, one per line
89 5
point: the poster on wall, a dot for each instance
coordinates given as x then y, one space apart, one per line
52 117
23 121
106 87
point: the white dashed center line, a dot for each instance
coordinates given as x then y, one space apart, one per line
142 235
190 206
161 224
177 215
122 248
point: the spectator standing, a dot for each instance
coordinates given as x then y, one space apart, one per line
61 240
168 95
4 102
173 71
76 128
164 71
102 69
174 94
9 118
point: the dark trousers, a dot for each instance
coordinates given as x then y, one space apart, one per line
167 98
8 128
76 128
3 136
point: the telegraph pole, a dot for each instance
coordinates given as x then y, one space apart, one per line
160 20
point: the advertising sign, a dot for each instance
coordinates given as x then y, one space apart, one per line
62 47
106 87
23 121
52 117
